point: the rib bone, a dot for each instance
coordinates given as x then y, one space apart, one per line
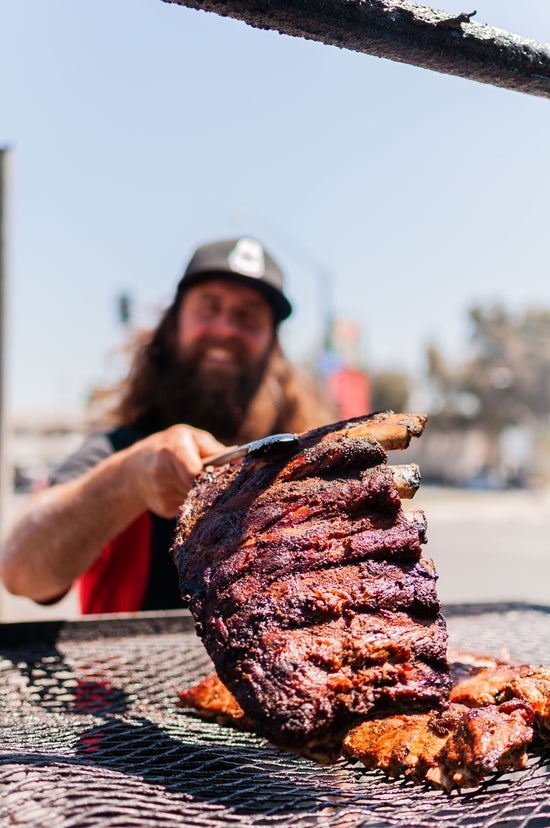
392 431
407 479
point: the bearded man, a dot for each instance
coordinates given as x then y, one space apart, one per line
211 374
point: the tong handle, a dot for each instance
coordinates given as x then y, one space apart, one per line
257 448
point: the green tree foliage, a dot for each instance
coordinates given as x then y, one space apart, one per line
506 378
389 390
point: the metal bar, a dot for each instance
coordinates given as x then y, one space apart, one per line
403 31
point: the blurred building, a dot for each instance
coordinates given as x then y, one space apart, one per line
36 441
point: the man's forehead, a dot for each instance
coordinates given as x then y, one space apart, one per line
228 289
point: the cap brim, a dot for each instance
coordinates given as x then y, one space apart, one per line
277 301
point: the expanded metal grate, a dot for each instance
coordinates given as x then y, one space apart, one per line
91 736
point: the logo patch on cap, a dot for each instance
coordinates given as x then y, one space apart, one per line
247 257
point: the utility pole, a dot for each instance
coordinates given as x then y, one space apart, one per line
4 157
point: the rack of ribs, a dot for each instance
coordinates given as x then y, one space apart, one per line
305 577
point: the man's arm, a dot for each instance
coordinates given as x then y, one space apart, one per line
63 528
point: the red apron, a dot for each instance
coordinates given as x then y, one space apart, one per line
117 581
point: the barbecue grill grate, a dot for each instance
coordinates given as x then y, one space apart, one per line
91 735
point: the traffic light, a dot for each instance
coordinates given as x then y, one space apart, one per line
124 309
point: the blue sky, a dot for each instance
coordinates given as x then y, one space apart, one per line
396 196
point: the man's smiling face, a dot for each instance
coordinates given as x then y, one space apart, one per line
225 327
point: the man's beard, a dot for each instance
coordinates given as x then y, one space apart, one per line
215 400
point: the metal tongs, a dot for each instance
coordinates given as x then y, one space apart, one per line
273 445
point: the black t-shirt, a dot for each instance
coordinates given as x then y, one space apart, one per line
162 590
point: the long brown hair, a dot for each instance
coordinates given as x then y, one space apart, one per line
140 394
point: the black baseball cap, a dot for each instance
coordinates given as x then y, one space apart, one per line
243 260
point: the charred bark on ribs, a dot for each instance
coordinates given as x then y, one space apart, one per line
307 585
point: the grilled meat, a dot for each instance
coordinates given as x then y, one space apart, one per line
527 683
404 744
486 686
307 585
487 739
455 747
213 700
465 664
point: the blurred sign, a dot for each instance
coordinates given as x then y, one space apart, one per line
345 341
350 391
347 385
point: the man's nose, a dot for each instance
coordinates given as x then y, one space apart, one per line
225 325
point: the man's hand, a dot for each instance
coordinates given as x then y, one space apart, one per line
64 528
162 467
